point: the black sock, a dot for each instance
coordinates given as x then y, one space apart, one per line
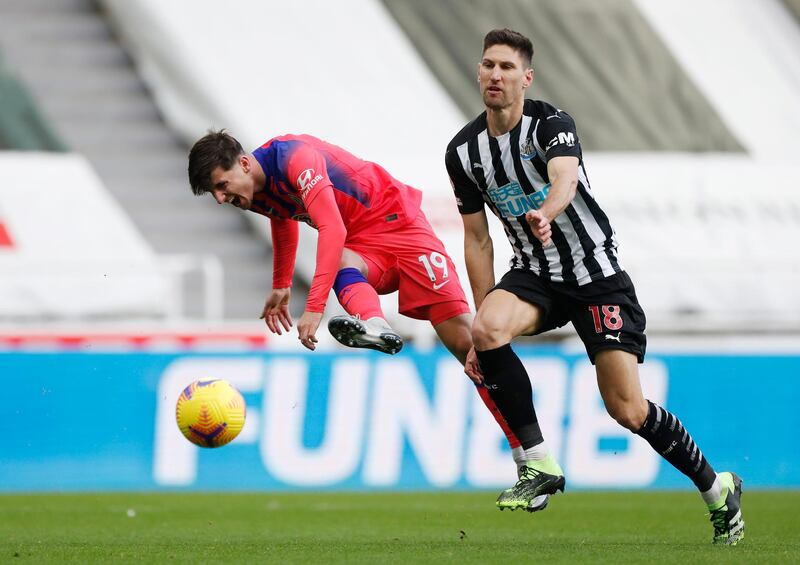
665 433
508 384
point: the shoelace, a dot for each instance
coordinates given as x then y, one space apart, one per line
528 474
719 519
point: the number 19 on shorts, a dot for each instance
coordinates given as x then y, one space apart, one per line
437 261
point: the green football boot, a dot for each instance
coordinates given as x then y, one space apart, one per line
726 513
537 481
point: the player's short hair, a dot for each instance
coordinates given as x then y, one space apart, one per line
513 39
215 149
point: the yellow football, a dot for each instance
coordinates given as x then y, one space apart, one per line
210 413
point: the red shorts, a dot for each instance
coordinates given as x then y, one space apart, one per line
414 262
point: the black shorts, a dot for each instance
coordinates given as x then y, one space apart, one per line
605 313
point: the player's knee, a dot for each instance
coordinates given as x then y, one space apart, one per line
488 334
628 414
352 260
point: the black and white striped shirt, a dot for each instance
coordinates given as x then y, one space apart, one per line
509 174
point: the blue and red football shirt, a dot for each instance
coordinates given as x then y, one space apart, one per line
332 190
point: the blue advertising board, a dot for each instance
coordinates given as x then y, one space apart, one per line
105 421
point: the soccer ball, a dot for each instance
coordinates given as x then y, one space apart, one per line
210 413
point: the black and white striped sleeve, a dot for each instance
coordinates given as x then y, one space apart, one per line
468 196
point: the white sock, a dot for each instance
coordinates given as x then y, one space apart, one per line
380 322
713 494
519 455
537 452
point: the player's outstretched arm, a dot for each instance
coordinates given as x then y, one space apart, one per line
563 174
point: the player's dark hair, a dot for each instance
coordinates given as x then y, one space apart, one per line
215 149
513 39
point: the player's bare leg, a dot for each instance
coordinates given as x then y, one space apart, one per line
455 334
365 325
618 380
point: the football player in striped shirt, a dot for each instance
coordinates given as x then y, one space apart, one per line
522 159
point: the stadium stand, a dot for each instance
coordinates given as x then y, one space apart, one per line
68 261
742 57
602 62
653 197
84 83
21 125
673 158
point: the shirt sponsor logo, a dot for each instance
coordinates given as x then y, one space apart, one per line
564 137
511 201
307 180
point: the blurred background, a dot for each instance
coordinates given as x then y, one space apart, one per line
118 287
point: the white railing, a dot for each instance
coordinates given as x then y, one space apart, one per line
81 289
178 268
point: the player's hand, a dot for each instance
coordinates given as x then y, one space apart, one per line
472 368
307 329
276 310
540 224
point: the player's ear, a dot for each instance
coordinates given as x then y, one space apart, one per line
528 78
244 162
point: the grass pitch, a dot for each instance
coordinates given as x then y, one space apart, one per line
614 527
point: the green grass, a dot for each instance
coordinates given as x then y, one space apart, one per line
616 527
